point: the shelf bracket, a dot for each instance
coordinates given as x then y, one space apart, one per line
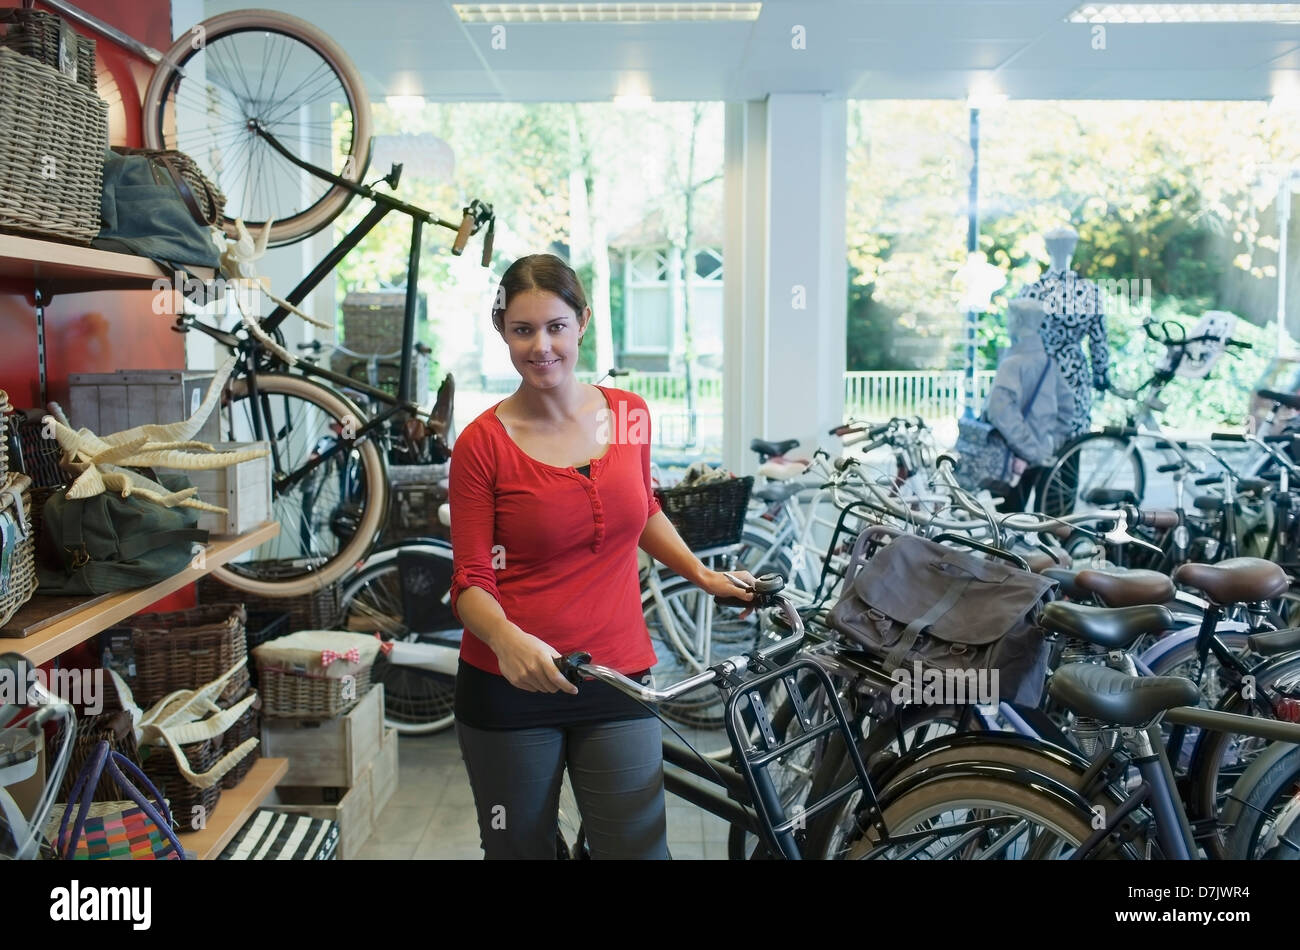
41 297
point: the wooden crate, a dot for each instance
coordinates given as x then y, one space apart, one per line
383 775
350 808
110 402
329 752
244 490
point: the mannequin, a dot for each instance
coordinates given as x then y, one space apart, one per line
1073 307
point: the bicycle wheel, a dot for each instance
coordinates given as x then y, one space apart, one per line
961 818
1271 786
330 516
1219 758
416 701
1090 462
250 69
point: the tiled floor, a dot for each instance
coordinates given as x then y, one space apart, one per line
431 814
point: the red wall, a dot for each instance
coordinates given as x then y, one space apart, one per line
98 332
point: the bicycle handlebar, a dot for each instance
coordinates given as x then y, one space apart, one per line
767 593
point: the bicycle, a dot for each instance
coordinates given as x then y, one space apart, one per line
748 796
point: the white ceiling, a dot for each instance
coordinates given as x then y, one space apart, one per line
891 49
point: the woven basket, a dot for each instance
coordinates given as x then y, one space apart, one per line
182 797
248 726
18 584
35 33
115 728
53 136
708 515
186 648
38 456
295 682
5 410
318 610
372 322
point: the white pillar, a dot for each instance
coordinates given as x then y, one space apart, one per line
785 272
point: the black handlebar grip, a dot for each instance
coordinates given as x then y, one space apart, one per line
1119 432
313 345
1280 438
568 666
1209 480
1227 437
462 236
1169 467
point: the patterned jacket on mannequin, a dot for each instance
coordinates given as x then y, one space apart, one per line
1074 308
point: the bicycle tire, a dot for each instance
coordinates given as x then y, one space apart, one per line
1055 496
960 793
1208 777
416 702
1268 785
227 138
293 579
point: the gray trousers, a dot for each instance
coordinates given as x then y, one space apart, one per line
615 768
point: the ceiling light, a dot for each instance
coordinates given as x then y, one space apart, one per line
404 102
604 12
1186 13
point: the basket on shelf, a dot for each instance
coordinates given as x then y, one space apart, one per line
184 799
40 35
248 726
53 136
118 730
184 649
18 544
318 610
38 455
314 674
708 515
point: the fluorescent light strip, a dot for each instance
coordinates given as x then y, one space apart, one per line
604 12
1186 13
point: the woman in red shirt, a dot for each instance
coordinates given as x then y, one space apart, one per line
550 498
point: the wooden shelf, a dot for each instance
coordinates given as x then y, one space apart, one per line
234 808
71 268
49 625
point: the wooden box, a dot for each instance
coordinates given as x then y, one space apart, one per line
350 808
383 775
244 490
329 752
110 402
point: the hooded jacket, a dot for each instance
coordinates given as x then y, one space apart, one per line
1034 432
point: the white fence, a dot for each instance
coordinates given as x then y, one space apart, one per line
932 394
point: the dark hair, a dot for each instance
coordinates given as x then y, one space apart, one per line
538 272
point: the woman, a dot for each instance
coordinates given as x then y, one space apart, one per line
550 498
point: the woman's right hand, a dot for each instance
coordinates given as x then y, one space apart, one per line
528 663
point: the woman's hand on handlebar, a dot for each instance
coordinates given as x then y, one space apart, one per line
720 585
528 663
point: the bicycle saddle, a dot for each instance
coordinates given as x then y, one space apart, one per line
778 492
1236 580
1286 399
1274 642
1115 628
1126 588
1116 698
1111 496
763 447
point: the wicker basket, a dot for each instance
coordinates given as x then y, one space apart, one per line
115 728
295 681
53 136
38 456
183 798
18 583
372 322
36 34
318 610
186 648
5 410
248 726
709 515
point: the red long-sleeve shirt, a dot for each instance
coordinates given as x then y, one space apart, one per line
557 549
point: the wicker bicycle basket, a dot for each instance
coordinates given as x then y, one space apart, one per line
37 34
184 799
184 649
708 515
298 677
18 576
53 136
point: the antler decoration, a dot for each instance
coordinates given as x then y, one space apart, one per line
103 464
239 258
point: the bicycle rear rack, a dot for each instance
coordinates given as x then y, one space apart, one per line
754 760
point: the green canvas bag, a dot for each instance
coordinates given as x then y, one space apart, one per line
108 543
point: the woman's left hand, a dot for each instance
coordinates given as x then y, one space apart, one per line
717 584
